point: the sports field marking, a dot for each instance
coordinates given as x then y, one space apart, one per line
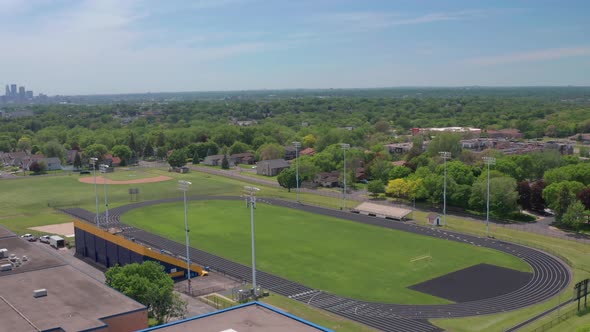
415 259
101 180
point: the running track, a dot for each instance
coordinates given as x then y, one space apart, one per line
550 275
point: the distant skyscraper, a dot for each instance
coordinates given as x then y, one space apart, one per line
13 92
29 94
21 92
7 93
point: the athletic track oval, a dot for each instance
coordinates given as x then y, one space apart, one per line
550 275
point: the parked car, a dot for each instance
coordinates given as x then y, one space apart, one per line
32 238
44 239
25 236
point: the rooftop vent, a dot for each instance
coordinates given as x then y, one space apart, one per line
40 292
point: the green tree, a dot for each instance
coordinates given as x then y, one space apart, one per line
397 188
524 194
196 158
380 169
24 144
54 149
399 172
270 151
376 187
307 168
577 172
575 215
148 150
148 284
449 142
38 167
225 162
123 152
503 195
177 158
559 195
226 135
309 140
288 179
77 161
95 151
238 147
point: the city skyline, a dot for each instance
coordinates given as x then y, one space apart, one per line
111 47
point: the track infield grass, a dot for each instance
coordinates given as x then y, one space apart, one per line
342 257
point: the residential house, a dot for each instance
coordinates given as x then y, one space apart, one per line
359 174
307 152
242 158
328 179
563 148
53 164
109 159
399 148
215 160
290 152
71 156
476 144
271 167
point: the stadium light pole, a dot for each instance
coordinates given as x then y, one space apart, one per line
104 169
344 147
93 163
184 186
297 145
489 161
445 155
252 204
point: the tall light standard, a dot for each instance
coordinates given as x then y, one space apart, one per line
104 169
93 163
489 161
344 147
252 204
445 155
297 145
184 186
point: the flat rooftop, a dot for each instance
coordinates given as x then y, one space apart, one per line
382 210
249 317
74 300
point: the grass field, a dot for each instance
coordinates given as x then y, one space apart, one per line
331 254
24 203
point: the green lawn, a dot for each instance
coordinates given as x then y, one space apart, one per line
343 257
24 203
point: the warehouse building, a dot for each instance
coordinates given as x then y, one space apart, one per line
41 292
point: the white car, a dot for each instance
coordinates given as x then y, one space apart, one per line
26 236
44 239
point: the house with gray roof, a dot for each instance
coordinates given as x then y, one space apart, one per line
271 167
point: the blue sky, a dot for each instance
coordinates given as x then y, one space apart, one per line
122 46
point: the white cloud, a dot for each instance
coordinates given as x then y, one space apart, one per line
97 47
380 20
538 55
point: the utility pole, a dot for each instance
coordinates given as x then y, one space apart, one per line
489 161
344 147
104 170
297 146
445 155
184 186
93 163
252 204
